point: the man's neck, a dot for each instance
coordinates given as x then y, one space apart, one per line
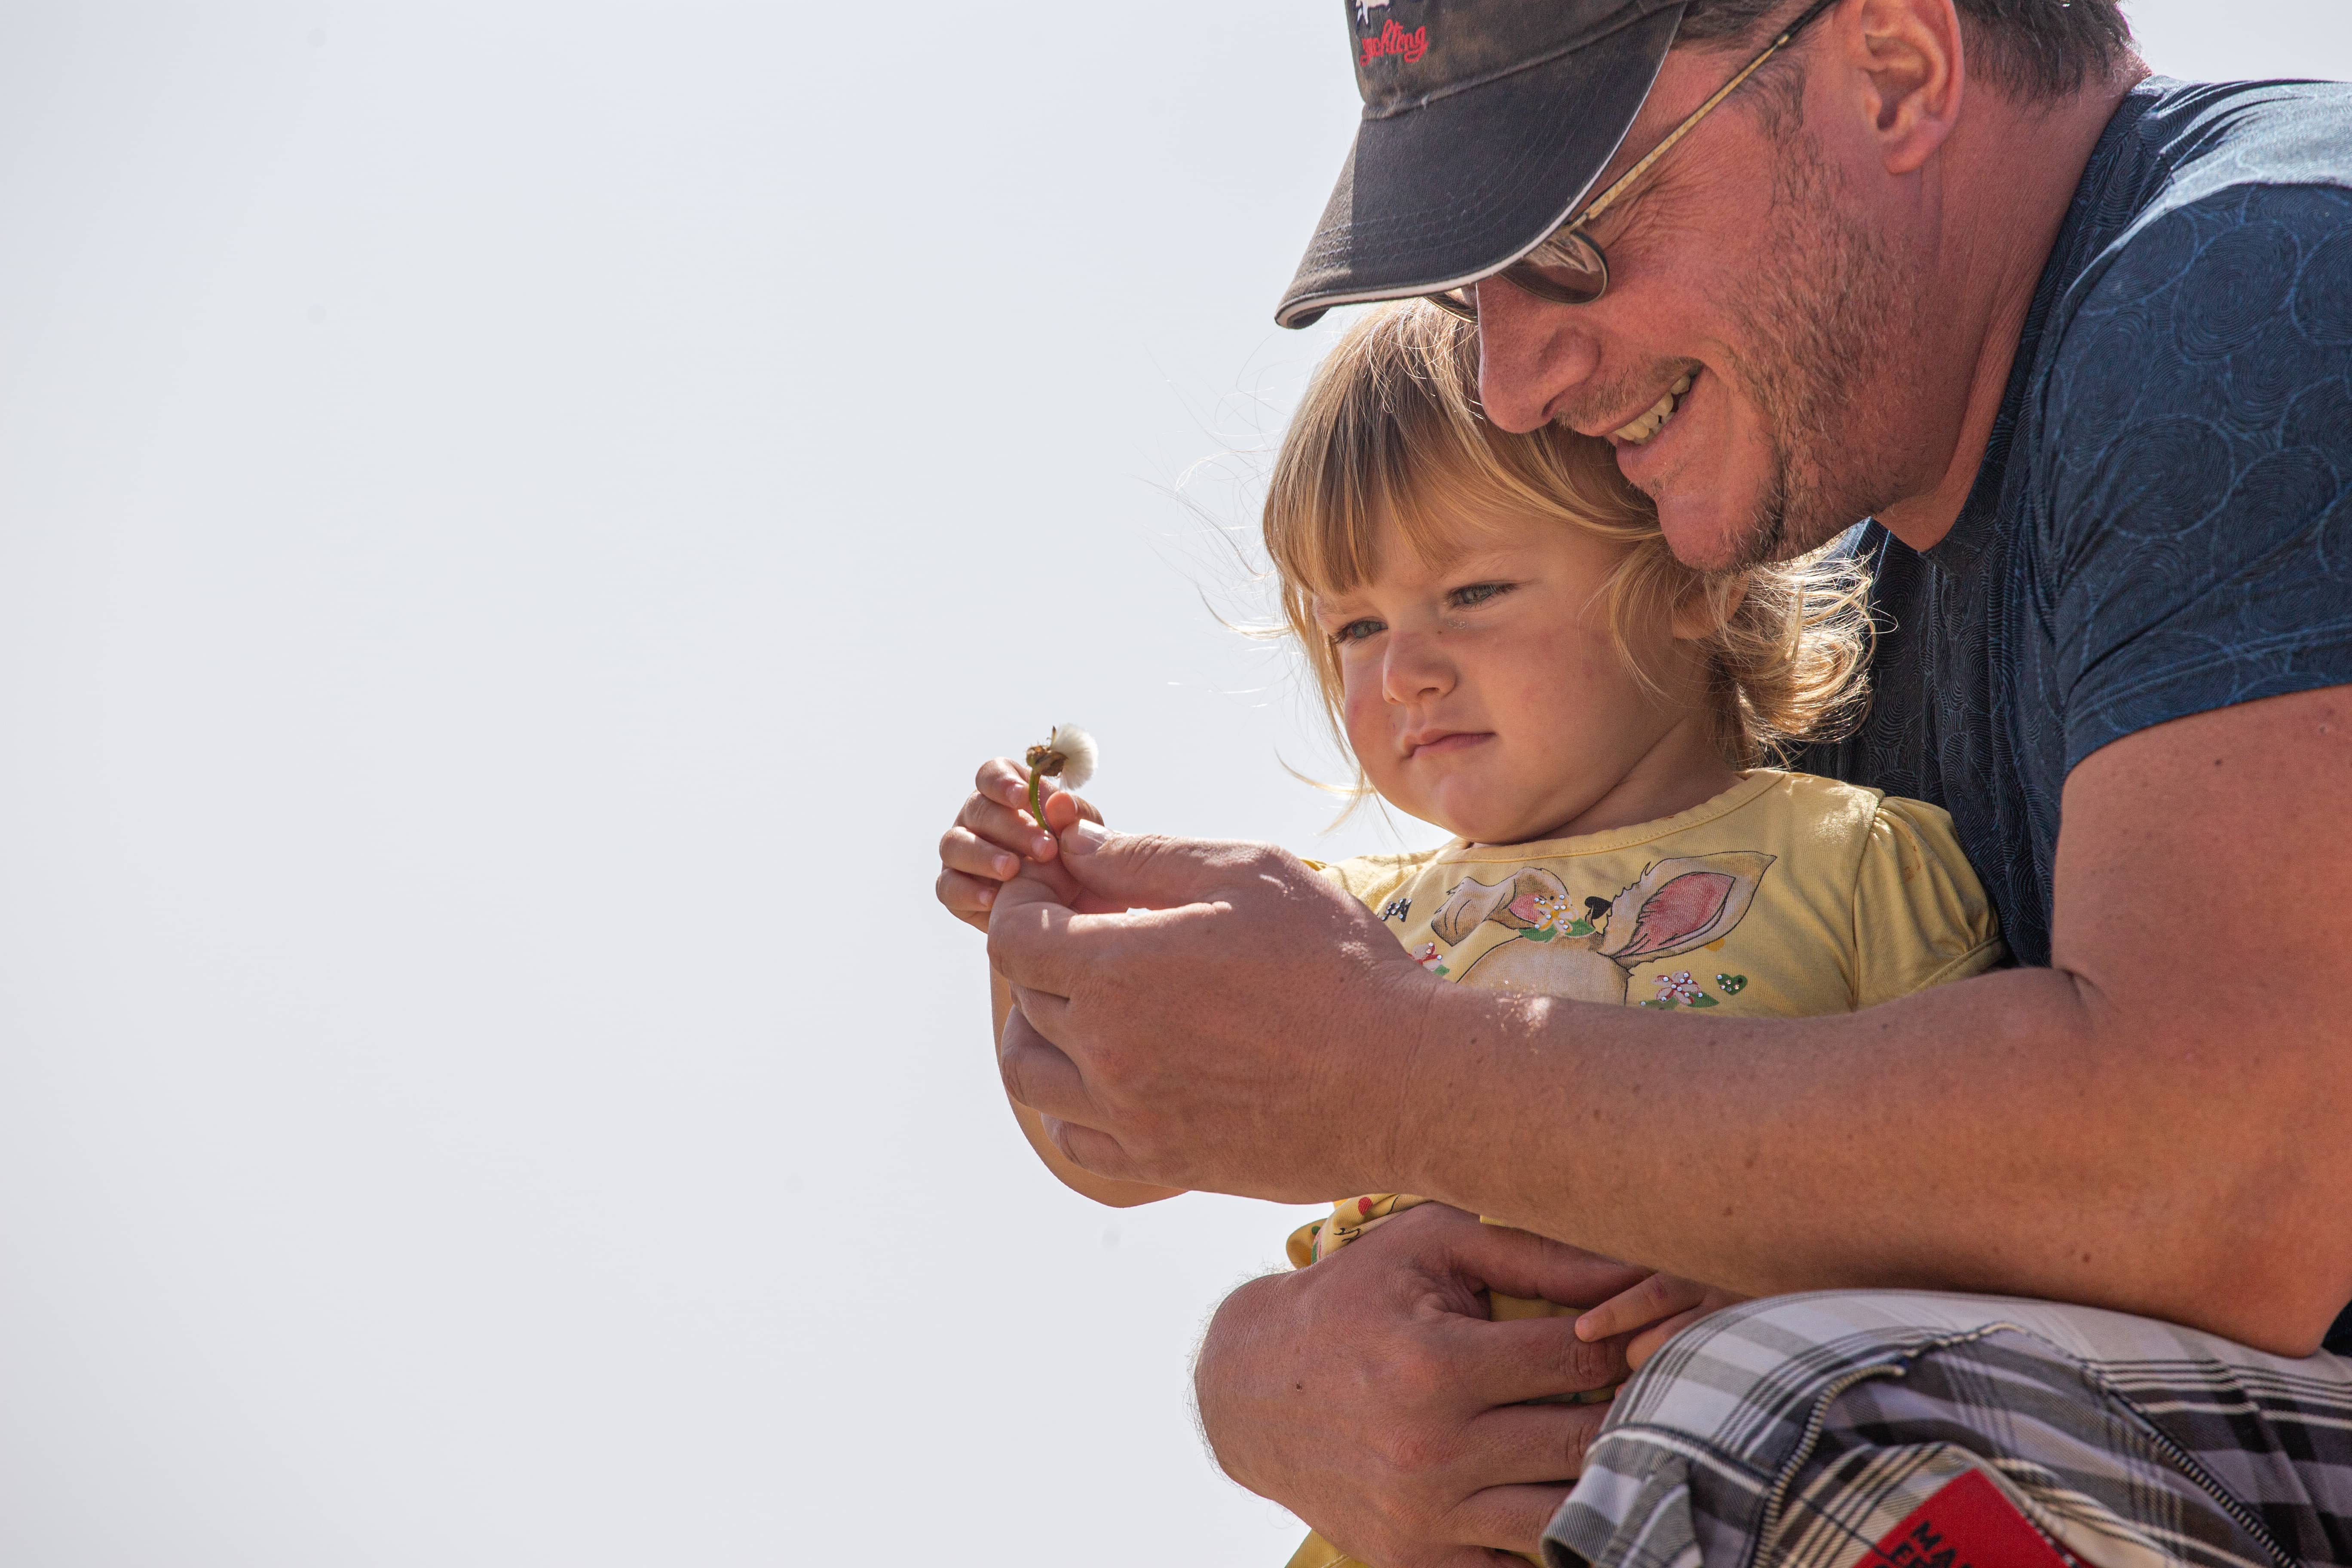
2014 178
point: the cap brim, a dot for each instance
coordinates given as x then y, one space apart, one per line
1441 195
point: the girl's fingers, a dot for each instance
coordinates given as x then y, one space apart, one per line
1651 1340
1659 1296
1002 780
966 897
1062 810
962 850
1004 827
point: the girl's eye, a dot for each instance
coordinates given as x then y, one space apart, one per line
1478 594
1357 631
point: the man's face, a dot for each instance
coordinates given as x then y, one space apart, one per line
1747 264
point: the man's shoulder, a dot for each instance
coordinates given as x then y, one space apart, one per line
2205 330
2207 217
2198 137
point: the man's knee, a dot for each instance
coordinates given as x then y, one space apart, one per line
1749 1370
1779 1429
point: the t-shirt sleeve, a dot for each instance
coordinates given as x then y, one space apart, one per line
1371 879
1920 916
2197 546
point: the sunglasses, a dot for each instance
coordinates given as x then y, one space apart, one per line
1568 268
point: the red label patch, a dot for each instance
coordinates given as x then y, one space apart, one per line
1394 40
1968 1523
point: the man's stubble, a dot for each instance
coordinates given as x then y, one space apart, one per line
1831 318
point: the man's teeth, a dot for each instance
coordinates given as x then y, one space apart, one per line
1654 420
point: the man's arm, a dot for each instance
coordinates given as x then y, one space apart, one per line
2157 1124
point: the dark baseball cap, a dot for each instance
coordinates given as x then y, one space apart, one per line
1485 124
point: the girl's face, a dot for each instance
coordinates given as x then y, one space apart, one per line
1487 695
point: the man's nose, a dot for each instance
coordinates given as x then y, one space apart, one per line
1416 669
1529 352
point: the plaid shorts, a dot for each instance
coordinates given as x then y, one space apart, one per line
1902 1429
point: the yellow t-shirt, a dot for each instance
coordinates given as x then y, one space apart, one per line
1786 896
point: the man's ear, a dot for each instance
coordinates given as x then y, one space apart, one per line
1707 608
1907 72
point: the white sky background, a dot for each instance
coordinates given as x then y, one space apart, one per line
517 522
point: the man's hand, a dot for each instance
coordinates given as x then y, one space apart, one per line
1370 1395
1247 1028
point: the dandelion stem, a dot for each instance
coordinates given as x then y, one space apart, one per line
1036 793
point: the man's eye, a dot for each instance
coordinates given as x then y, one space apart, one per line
1478 594
1357 631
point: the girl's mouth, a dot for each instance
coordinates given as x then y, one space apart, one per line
1656 417
1460 740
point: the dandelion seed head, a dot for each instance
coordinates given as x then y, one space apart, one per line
1079 754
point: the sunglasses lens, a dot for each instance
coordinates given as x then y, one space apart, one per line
1461 302
1567 269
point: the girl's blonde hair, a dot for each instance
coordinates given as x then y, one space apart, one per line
1391 430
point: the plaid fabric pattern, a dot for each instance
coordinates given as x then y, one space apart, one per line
1796 1432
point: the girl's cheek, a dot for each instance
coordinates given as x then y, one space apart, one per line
1367 737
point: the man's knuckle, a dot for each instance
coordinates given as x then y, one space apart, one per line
1594 1365
1411 1451
1576 1440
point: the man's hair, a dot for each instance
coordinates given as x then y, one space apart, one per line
2031 49
1390 431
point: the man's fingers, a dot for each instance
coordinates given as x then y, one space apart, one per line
1037 1075
1043 1011
1097 1151
1509 1519
1521 1263
1533 1445
1533 1358
1145 871
1037 941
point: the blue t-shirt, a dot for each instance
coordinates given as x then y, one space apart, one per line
2163 522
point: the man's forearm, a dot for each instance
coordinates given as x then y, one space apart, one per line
2156 1125
2014 1134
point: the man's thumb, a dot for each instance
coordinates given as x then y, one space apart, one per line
1138 871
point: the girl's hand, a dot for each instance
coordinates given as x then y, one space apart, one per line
993 837
1661 1306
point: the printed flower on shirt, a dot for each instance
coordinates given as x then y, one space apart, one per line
1427 958
1679 990
1548 918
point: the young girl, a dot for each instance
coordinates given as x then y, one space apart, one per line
1510 650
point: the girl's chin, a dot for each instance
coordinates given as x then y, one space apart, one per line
1477 827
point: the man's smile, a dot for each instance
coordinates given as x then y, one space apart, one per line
1652 419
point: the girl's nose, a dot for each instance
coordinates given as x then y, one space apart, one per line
1416 669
